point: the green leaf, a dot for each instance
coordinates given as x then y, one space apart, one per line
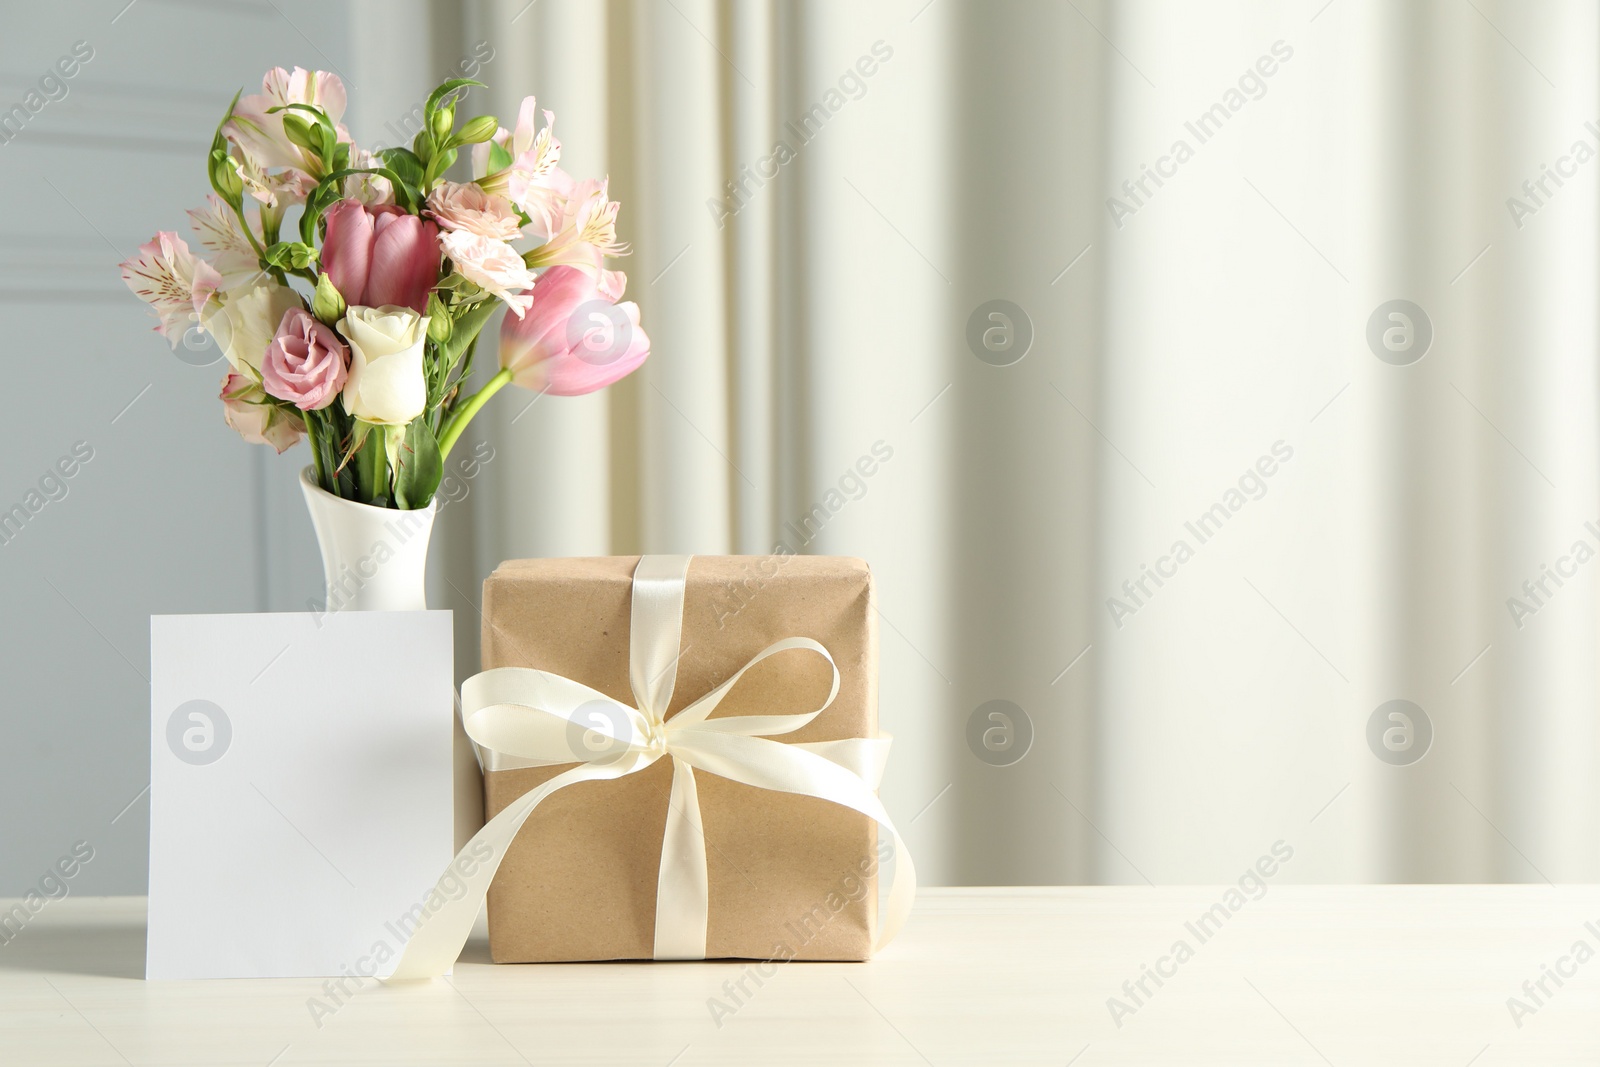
436 168
331 188
405 163
290 255
419 467
445 88
499 158
219 170
466 330
318 116
217 140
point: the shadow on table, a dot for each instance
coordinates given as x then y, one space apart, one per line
104 951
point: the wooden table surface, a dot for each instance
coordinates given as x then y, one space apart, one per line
1305 975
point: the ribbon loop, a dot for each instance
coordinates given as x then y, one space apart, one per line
526 718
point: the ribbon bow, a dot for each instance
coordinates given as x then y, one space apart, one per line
526 718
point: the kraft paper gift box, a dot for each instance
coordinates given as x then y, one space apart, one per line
785 871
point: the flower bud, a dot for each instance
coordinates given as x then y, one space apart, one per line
477 130
326 304
440 326
298 130
225 177
444 121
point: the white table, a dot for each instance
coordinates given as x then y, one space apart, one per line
1306 975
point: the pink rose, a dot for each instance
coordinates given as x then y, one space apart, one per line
253 414
306 363
576 338
377 256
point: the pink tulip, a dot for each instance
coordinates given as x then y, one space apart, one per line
306 363
380 255
575 339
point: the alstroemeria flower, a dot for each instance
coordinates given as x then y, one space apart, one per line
218 229
588 231
373 190
260 132
173 281
471 208
257 419
576 338
533 181
286 188
492 265
245 322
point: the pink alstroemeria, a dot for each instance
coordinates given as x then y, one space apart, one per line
218 229
174 281
258 420
274 192
259 131
575 339
533 181
491 265
588 232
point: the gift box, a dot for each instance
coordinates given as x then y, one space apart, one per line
787 876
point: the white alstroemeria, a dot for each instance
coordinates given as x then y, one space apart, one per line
245 321
218 229
386 386
373 190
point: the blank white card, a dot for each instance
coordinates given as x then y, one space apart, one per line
301 789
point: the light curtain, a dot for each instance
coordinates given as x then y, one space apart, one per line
1195 321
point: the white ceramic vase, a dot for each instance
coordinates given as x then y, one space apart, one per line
373 559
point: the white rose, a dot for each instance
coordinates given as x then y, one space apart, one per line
245 323
386 385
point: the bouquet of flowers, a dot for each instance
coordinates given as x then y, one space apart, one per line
355 324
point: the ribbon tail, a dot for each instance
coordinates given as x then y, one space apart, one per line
787 769
446 921
902 890
683 899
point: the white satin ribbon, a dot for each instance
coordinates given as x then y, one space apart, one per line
526 718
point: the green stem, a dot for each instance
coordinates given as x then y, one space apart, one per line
463 415
372 469
314 439
238 209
